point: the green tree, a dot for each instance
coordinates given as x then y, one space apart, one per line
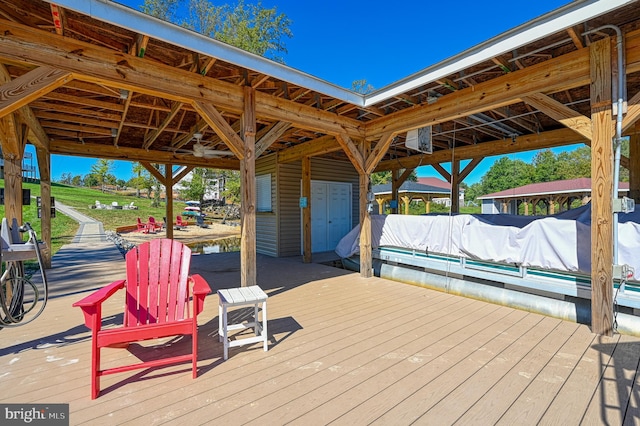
381 178
139 179
102 171
506 174
197 186
545 166
90 180
574 164
250 27
163 9
362 87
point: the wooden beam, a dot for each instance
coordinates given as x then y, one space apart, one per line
44 167
153 170
601 189
216 121
633 112
470 167
106 67
13 188
93 150
352 153
320 146
185 171
168 182
38 136
57 15
634 165
151 137
455 186
366 256
30 86
445 174
248 276
561 113
523 143
274 133
378 152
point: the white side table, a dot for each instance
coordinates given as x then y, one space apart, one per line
242 296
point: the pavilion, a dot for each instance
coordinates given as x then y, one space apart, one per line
96 79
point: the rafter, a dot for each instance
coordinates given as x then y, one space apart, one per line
561 113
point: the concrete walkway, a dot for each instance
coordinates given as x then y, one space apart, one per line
90 231
89 262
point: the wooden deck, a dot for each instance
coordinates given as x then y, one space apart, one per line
343 350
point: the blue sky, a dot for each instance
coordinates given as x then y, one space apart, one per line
379 41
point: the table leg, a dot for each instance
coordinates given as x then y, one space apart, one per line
264 325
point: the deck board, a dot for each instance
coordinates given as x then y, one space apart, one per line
343 350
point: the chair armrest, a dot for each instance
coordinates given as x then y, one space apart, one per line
200 285
200 290
92 305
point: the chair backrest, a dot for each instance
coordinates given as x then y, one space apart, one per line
157 283
199 220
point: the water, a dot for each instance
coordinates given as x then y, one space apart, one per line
224 245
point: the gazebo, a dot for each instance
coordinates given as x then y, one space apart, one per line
407 192
561 192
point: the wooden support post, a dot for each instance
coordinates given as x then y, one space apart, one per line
380 202
395 185
552 205
44 166
526 207
406 201
248 202
168 185
455 186
13 188
366 258
306 211
634 164
601 189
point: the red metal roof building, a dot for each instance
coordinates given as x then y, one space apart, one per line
560 193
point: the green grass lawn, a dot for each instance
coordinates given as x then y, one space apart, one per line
63 228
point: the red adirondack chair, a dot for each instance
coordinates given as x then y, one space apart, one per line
142 227
180 223
161 300
153 225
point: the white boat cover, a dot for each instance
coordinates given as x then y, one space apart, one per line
561 242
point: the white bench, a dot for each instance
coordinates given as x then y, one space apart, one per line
242 296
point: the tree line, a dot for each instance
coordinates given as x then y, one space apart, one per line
507 173
200 182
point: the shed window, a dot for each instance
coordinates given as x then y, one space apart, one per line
263 193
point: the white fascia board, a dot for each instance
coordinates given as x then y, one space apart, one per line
550 23
133 20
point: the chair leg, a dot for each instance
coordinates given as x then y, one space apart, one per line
95 367
194 349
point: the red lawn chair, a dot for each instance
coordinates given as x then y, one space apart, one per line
142 227
161 300
153 225
180 223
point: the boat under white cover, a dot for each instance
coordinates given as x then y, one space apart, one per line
561 242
